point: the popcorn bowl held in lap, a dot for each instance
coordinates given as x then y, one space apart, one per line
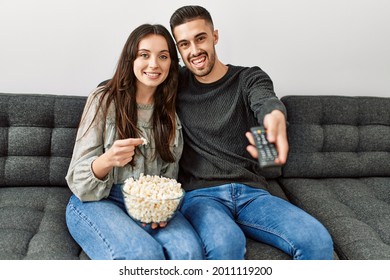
152 199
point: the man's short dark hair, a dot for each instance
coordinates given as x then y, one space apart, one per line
189 13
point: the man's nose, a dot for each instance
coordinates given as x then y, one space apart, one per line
194 49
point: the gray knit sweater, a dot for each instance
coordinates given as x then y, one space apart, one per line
215 118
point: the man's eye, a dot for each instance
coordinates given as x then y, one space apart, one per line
183 45
201 38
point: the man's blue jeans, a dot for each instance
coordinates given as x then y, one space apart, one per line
225 214
105 231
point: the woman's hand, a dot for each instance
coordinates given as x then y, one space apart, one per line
120 154
156 225
122 151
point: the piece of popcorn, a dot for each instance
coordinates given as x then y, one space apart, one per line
145 142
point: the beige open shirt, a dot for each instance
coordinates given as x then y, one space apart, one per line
91 143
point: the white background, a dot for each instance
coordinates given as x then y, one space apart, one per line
281 270
306 46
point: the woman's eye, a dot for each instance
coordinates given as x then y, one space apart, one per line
144 55
164 57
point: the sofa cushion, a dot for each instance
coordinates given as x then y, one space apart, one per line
32 224
356 212
37 134
337 136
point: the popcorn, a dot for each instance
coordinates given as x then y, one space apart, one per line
145 141
152 199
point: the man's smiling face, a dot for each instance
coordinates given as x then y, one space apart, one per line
196 43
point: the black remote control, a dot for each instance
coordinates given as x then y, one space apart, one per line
267 151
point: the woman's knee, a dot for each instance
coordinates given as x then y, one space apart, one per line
151 250
185 249
114 237
180 240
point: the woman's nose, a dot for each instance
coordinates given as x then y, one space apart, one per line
153 63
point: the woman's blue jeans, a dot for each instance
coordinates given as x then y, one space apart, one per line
225 214
104 230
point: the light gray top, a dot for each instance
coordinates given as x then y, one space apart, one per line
92 141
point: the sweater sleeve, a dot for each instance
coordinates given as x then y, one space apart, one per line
260 93
88 146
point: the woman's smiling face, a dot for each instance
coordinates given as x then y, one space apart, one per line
151 67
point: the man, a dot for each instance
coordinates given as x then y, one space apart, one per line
227 197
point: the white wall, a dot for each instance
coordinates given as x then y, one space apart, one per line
306 46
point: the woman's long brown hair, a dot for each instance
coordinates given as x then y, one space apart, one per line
121 90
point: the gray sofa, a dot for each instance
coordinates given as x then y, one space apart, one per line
338 170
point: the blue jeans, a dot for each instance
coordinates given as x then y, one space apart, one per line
224 215
104 230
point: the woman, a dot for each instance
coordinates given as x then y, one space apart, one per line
138 102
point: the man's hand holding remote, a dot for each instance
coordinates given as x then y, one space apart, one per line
275 124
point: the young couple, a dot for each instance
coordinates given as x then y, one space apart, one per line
226 197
